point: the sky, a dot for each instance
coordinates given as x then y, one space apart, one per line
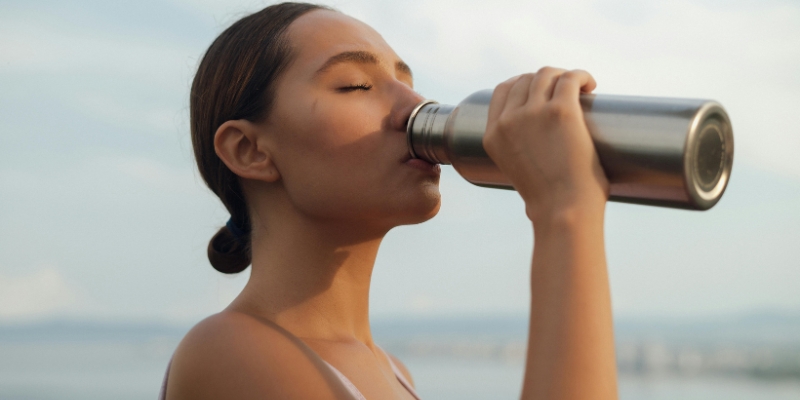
103 215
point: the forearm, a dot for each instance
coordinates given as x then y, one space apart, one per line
571 341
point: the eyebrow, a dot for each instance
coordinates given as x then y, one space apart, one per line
359 57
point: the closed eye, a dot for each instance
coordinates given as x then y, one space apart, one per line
351 88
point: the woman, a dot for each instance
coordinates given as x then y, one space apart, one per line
298 120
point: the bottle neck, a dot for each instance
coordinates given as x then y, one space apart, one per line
426 132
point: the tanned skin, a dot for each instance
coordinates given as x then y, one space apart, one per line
537 135
327 175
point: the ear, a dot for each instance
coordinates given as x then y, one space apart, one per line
238 146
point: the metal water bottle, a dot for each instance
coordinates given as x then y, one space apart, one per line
655 151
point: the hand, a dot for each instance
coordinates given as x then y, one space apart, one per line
537 136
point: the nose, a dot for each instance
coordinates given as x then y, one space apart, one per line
407 99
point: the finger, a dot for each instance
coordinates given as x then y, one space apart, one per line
589 86
571 84
541 89
519 91
499 98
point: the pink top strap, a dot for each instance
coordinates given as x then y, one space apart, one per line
357 394
400 376
347 384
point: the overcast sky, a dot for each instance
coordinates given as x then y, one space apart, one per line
102 214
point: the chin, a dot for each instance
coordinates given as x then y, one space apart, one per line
426 205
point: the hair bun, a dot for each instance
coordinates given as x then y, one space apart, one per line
226 254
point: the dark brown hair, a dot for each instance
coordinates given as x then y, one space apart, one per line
236 80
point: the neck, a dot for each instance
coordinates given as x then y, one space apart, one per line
311 277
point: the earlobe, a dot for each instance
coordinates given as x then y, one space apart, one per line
237 144
272 174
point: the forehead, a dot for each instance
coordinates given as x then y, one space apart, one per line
321 34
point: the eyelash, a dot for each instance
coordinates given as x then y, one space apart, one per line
360 86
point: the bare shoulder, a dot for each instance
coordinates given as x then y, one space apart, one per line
403 369
234 355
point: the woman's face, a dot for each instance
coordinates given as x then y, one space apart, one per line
337 126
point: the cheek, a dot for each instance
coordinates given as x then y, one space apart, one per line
334 128
339 147
338 161
331 164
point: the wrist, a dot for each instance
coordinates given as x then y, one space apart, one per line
568 217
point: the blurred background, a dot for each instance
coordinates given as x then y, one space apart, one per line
104 221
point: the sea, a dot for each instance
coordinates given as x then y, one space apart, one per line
450 359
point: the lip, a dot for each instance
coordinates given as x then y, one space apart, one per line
422 165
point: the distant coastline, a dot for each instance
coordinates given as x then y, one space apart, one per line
763 346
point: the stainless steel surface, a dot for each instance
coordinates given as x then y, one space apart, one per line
655 151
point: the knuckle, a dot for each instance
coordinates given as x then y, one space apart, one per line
559 112
504 122
545 70
525 79
552 70
503 86
581 72
571 75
